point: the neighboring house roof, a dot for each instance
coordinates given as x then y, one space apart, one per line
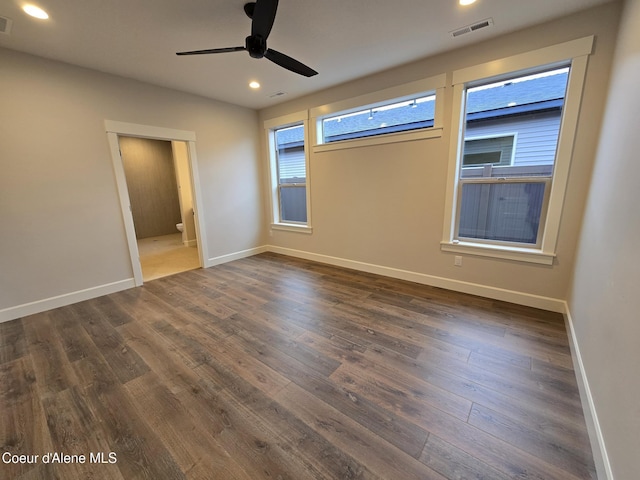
511 98
520 93
291 137
382 121
517 98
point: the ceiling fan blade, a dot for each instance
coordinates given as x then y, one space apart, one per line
264 14
213 50
289 63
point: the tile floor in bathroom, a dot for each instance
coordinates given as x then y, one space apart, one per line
166 255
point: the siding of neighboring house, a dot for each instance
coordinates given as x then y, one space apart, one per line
291 165
537 135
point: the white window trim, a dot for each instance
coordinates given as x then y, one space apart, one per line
575 52
398 93
270 126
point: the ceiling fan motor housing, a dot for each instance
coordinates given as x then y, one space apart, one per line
256 46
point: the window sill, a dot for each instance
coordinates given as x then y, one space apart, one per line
433 132
292 227
528 255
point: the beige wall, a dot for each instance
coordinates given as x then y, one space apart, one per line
603 299
62 228
384 205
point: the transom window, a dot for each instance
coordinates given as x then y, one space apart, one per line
392 117
407 112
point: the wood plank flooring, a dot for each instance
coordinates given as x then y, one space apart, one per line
272 367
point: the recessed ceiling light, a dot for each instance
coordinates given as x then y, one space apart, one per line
467 2
36 12
254 85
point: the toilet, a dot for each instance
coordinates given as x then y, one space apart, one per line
180 227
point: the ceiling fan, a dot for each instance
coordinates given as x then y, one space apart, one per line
262 14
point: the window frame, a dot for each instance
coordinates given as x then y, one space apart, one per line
575 54
271 126
408 91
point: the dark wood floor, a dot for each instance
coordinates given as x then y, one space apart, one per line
277 368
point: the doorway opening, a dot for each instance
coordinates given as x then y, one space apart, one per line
157 173
157 182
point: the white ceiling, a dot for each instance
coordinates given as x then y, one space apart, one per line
341 39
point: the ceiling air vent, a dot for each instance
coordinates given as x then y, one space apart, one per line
472 28
5 25
277 94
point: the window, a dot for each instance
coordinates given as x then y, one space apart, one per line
287 139
292 174
512 154
406 112
506 203
393 117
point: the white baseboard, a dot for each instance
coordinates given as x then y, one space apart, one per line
234 256
600 457
38 306
520 298
536 301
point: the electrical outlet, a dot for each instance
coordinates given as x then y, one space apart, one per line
457 261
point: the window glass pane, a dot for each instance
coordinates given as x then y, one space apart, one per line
511 132
293 204
290 152
508 212
395 117
525 111
291 165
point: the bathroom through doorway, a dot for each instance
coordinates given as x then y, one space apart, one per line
156 174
